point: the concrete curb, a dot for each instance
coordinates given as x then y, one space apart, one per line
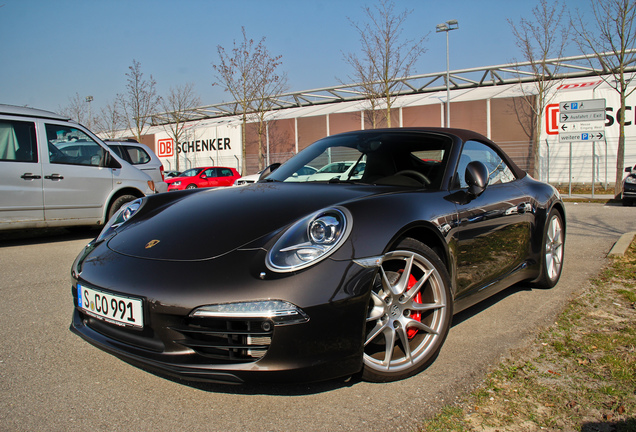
620 247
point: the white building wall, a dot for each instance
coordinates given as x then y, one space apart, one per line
218 141
589 160
203 143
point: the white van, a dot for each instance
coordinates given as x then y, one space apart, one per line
55 172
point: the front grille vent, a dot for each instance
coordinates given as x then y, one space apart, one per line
227 341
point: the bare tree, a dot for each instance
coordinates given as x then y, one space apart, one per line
540 38
385 56
249 74
179 106
269 85
77 109
140 100
110 121
612 30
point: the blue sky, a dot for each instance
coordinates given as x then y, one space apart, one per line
53 49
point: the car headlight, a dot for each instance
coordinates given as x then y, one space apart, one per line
310 240
630 179
177 183
124 214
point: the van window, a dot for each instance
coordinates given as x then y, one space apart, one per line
132 155
71 146
138 156
120 151
17 141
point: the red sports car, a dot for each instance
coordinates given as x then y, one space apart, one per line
203 177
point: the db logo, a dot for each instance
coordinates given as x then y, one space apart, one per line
165 147
552 119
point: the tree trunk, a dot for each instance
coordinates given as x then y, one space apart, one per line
620 152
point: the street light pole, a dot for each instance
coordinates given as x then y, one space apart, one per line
89 99
446 27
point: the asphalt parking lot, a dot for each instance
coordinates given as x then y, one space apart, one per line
52 380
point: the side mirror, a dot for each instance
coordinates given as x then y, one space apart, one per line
476 178
203 176
628 169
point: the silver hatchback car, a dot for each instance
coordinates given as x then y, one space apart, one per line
141 157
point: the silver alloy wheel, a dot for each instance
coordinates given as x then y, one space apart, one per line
409 284
554 248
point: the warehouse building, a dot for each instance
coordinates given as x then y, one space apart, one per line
490 104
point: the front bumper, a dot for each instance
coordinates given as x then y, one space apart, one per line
333 294
629 190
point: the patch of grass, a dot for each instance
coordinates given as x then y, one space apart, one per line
580 374
581 188
629 295
450 419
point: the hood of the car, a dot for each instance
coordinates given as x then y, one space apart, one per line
210 223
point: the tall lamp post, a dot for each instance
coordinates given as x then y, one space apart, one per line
89 99
446 27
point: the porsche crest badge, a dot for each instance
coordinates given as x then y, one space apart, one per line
152 243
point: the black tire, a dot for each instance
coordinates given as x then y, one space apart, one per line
118 203
191 186
410 313
552 251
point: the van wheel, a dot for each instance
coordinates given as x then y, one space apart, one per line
118 203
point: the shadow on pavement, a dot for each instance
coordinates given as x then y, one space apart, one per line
46 235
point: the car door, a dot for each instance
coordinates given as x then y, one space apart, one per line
21 173
76 183
494 228
207 178
225 177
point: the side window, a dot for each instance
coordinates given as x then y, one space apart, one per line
71 146
138 156
17 141
226 172
119 151
477 151
210 172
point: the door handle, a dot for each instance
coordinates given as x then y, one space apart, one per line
54 177
30 176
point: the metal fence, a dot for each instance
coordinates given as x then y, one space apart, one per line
520 152
584 162
194 160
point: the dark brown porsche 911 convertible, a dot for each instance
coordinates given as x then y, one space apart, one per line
306 277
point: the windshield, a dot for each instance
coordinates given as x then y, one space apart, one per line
399 158
191 172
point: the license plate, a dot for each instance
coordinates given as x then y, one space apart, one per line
116 309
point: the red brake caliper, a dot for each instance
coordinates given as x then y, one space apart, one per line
411 332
